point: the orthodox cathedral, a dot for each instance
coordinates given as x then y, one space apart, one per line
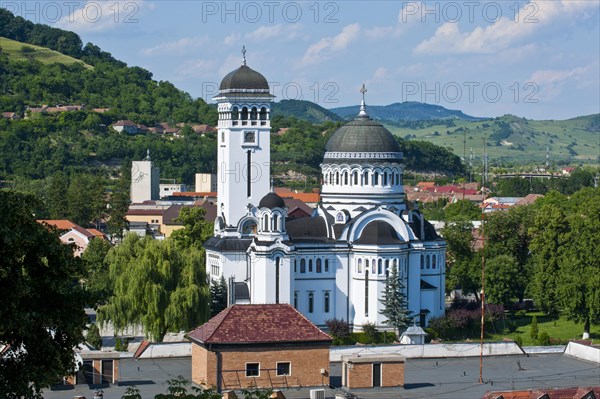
333 264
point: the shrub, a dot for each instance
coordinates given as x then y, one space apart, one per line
543 339
494 312
121 344
93 336
511 326
339 328
519 340
534 328
371 332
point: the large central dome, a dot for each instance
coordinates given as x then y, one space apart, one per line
243 79
362 135
363 139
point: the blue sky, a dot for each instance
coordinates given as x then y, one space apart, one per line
537 59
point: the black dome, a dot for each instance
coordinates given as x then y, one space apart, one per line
363 134
244 78
271 201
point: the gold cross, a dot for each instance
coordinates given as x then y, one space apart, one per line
363 90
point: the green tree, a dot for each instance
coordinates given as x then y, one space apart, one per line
395 306
85 198
41 305
547 244
93 336
462 210
502 280
463 267
579 288
132 392
218 296
97 281
507 233
156 285
118 204
196 230
533 328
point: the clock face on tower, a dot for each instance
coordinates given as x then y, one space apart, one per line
249 137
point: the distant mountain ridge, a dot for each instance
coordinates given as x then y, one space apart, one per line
406 111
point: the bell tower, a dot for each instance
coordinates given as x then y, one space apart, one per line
243 170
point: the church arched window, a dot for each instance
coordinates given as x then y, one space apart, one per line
385 178
345 178
379 267
253 114
244 114
433 262
319 265
266 223
235 113
275 222
387 267
355 178
326 265
428 265
337 178
375 178
263 114
359 266
310 269
365 178
422 262
302 265
373 267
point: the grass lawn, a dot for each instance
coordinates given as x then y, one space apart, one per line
42 54
555 327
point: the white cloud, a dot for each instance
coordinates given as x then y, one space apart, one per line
99 15
232 38
328 46
288 31
448 39
177 47
551 81
196 69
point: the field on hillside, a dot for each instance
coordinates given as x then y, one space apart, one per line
510 138
41 54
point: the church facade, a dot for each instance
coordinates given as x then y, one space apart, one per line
333 264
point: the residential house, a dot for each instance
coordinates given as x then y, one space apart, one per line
74 234
266 345
126 126
11 115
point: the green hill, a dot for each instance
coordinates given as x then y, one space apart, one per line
513 139
304 110
18 51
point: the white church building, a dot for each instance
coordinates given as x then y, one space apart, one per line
333 264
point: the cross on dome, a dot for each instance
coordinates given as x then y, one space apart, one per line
244 54
363 108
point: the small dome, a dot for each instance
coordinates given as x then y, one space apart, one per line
271 201
244 78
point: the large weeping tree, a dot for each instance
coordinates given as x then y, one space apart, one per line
41 302
156 285
395 305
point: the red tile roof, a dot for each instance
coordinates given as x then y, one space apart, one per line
559 393
68 225
253 324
